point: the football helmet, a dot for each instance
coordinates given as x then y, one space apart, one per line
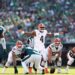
73 49
57 41
41 25
19 44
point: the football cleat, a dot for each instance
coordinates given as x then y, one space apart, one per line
52 70
16 71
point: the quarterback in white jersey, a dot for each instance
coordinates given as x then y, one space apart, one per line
71 58
38 36
39 43
13 55
54 53
39 40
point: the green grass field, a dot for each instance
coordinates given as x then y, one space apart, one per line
10 71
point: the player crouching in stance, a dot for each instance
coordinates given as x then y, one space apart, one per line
31 56
13 55
71 58
54 55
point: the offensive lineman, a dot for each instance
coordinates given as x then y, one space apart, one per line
54 55
71 58
13 55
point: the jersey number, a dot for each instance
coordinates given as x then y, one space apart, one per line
41 38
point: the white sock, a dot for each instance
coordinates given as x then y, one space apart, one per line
4 70
67 68
59 69
46 66
25 67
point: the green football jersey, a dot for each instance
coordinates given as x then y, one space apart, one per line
27 52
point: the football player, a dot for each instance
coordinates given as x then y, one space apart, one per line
31 56
3 43
39 41
13 55
54 55
2 39
71 58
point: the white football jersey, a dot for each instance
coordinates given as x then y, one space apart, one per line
56 48
16 50
39 39
71 53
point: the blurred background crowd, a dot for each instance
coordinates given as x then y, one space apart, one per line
57 15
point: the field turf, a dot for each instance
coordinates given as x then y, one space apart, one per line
10 71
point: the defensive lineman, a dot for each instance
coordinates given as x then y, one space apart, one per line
31 56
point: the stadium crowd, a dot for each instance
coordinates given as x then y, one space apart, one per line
57 15
21 17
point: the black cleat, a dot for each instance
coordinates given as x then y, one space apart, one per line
43 72
52 70
27 73
34 69
15 70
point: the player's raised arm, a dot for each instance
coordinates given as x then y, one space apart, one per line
54 34
33 33
50 34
